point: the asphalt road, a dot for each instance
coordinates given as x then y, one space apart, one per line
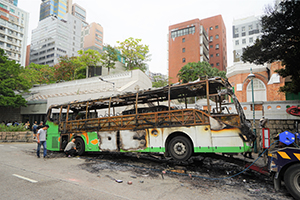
24 176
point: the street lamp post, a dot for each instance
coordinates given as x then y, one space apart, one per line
101 79
251 76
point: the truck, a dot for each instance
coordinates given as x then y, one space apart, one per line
284 162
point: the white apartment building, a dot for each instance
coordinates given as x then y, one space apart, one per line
54 38
245 31
13 31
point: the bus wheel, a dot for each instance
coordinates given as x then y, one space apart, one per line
180 148
292 180
80 146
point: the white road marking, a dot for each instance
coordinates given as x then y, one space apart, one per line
13 147
27 179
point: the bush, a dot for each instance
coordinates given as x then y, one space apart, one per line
4 128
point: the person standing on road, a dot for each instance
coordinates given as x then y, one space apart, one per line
34 129
41 125
70 149
41 140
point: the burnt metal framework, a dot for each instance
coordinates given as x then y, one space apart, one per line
166 116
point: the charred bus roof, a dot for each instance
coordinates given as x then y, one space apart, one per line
175 91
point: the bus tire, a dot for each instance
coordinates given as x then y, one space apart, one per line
180 148
292 180
80 146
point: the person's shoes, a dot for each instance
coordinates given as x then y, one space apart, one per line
38 156
46 157
69 156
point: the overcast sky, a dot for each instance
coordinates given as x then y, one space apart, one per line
149 20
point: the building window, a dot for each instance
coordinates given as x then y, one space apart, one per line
216 27
217 46
183 60
211 38
243 29
182 32
244 41
217 36
218 64
251 39
211 46
211 64
211 28
237 42
183 39
99 31
236 30
217 55
183 50
250 27
260 91
211 55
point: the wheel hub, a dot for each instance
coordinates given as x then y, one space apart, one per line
179 148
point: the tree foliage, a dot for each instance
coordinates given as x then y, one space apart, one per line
159 81
109 57
10 82
135 54
89 58
68 69
280 41
192 71
38 74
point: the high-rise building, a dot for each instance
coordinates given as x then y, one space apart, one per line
54 38
197 40
54 8
92 37
80 13
14 2
245 31
216 31
13 31
188 42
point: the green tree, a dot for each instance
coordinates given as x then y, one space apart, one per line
69 68
135 54
109 57
192 71
280 41
38 74
89 58
11 82
159 81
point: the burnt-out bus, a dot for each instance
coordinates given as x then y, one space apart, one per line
148 121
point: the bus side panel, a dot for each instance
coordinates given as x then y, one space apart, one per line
227 141
155 141
53 137
134 140
91 141
108 141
